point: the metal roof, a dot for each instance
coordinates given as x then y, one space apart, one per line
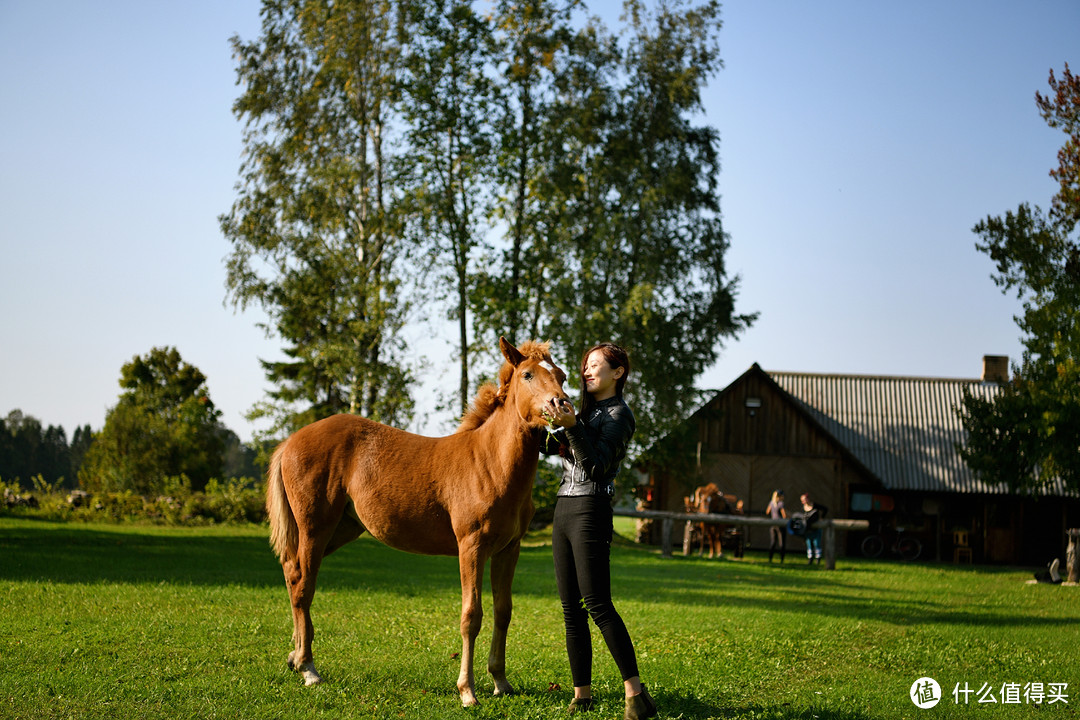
903 429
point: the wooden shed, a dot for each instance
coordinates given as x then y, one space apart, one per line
880 448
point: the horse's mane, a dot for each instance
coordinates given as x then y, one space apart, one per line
490 397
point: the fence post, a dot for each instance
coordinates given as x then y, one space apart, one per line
666 527
830 546
1072 555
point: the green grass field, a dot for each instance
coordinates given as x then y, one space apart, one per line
100 621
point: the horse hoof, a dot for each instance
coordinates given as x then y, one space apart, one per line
309 673
504 689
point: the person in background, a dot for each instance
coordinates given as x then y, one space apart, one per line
777 536
592 444
813 512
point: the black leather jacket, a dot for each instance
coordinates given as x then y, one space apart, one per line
595 446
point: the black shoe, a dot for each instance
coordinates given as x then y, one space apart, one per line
580 705
640 706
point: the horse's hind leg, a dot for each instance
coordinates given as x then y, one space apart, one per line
348 529
300 575
503 564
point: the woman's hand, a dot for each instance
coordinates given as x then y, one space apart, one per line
561 413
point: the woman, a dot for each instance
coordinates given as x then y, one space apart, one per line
592 443
813 512
777 537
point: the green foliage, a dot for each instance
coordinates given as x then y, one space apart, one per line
236 500
447 103
1029 437
145 622
540 175
1061 110
615 226
163 425
548 475
314 231
28 449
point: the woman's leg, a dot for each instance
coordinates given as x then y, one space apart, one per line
575 617
592 557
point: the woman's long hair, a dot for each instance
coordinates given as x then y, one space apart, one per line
616 358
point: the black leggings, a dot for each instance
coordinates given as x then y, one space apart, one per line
581 547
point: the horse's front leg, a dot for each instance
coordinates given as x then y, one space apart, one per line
503 564
471 561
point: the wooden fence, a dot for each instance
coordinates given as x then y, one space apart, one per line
668 520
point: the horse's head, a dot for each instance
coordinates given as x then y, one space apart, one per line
530 380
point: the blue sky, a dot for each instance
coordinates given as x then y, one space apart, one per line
861 141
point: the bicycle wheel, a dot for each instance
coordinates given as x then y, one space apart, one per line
909 548
872 546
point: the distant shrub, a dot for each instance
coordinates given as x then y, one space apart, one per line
236 500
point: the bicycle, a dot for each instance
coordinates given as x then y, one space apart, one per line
908 548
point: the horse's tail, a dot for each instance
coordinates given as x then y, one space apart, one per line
284 537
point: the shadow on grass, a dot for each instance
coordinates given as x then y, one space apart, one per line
71 553
847 593
694 708
89 554
673 704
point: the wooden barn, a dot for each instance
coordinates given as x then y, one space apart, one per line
877 448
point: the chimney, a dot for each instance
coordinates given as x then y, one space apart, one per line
995 369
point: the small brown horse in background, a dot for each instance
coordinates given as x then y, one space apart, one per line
709 499
468 494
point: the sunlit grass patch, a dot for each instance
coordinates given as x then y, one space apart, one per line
147 622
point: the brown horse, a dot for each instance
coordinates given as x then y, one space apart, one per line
709 499
468 494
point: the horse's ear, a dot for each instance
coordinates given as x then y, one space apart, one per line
511 353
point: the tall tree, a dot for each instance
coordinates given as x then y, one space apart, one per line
586 151
81 440
20 447
1029 437
447 107
642 242
29 449
314 229
533 39
164 425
